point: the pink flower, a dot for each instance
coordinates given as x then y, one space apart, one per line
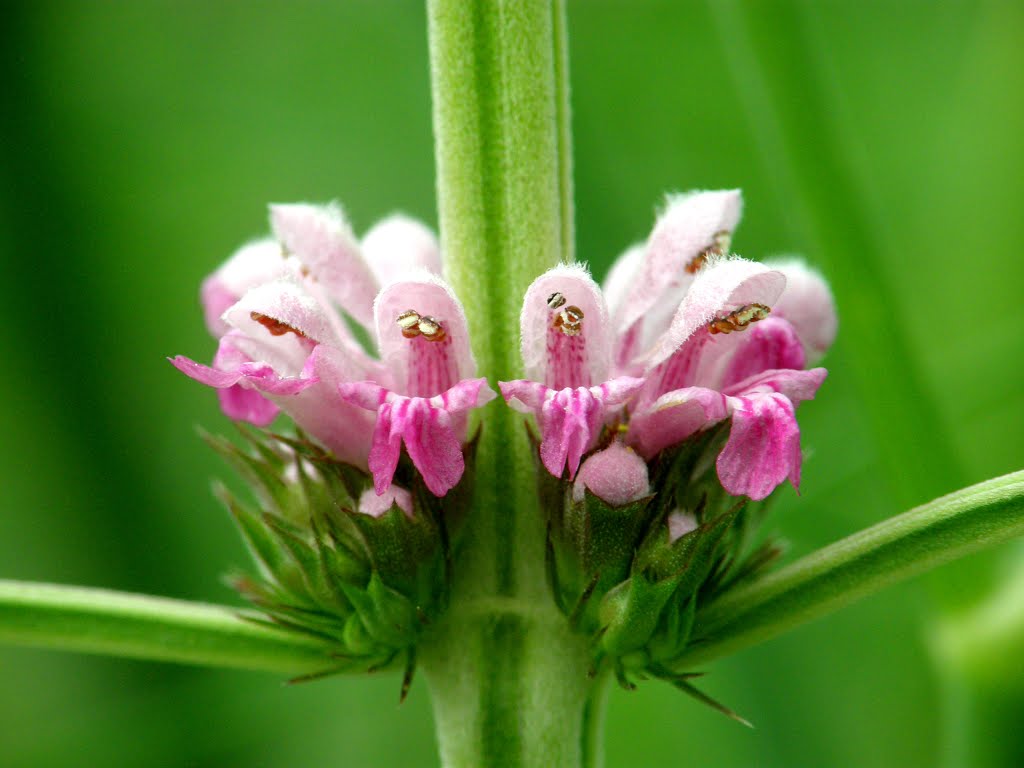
566 350
755 376
287 334
683 337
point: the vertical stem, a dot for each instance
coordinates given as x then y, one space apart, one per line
593 725
564 121
508 679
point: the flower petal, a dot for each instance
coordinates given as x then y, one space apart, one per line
621 276
524 395
770 344
430 428
553 350
433 446
241 381
794 385
570 419
345 429
252 264
465 395
322 240
241 404
763 447
387 444
673 417
722 287
280 323
807 303
685 228
422 367
398 245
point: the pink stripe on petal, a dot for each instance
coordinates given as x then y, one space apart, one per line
616 392
434 448
763 447
430 428
421 367
551 356
387 445
678 371
364 394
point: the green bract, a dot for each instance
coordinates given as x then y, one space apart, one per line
365 584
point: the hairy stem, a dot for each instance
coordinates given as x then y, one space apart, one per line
155 628
508 679
935 533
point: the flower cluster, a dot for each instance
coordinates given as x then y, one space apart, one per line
665 404
659 400
682 337
290 313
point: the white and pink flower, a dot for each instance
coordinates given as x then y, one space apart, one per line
682 337
285 311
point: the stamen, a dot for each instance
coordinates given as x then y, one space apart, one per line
740 319
430 329
409 322
720 243
275 326
569 321
723 240
556 300
303 269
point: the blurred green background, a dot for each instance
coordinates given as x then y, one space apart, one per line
141 142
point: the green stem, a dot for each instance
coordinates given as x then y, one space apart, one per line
593 725
942 530
508 679
154 628
564 122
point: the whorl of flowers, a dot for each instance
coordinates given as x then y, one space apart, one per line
688 358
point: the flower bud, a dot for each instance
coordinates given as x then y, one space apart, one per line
680 524
615 475
375 506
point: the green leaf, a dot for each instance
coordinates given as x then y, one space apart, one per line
160 629
942 530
